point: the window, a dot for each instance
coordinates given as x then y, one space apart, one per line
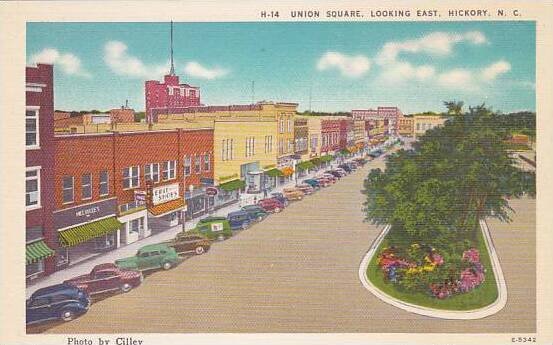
67 189
228 149
31 128
151 172
198 164
207 163
104 183
86 186
187 165
281 125
32 188
289 125
169 168
250 146
131 177
136 225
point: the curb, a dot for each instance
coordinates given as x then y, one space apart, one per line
440 313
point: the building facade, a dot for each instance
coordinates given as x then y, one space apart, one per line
40 233
168 95
406 126
390 115
301 137
424 122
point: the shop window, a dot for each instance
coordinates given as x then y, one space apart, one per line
31 128
32 188
151 172
207 163
86 186
62 256
68 190
104 242
104 183
169 170
198 164
131 177
136 225
34 268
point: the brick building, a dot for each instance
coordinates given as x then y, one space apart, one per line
169 95
41 237
125 187
390 115
330 136
122 115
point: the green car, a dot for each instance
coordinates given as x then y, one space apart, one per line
214 228
150 257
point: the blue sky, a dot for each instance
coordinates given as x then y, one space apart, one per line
343 65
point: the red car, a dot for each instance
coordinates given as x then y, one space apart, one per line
107 278
305 188
324 182
271 205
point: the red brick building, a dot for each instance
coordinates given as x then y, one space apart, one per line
41 237
390 115
330 136
122 115
113 189
169 95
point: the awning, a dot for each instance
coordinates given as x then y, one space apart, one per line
37 251
316 161
82 233
305 165
167 207
273 172
232 185
287 171
327 158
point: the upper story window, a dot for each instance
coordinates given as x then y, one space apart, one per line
169 170
198 164
187 165
131 177
32 188
86 186
104 183
68 189
289 125
207 163
151 172
31 128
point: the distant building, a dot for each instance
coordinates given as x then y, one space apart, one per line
169 95
406 127
424 122
390 115
122 115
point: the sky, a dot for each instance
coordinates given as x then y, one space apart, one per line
324 66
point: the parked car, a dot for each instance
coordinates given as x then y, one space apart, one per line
271 205
240 220
376 153
107 278
345 167
341 171
324 181
334 173
57 302
214 228
314 183
330 177
150 257
280 197
306 188
292 193
256 212
185 243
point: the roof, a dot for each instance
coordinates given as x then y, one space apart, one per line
156 246
54 289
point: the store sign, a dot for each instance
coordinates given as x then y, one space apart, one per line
165 193
216 227
140 196
85 213
211 191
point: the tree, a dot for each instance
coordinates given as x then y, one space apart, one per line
454 107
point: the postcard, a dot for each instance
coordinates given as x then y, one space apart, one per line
279 172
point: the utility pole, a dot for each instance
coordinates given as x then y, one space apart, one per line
172 71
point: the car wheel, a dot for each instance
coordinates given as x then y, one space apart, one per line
277 210
199 250
300 197
126 287
167 265
260 218
67 315
245 226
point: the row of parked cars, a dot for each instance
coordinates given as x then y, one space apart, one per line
72 298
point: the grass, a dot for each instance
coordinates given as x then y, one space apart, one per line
483 295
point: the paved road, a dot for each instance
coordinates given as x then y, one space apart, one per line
297 272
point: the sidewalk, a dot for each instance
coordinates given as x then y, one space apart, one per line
131 249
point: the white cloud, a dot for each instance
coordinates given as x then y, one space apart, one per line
494 70
435 44
122 63
458 78
195 69
349 66
399 72
67 62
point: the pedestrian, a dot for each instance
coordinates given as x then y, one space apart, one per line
265 193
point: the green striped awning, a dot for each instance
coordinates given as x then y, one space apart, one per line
37 251
274 173
305 165
327 158
232 185
82 233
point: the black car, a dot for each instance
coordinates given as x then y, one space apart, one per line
334 173
346 167
280 197
57 302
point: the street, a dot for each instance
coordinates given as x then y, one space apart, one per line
297 271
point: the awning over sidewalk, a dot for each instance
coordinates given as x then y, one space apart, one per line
327 158
232 185
305 165
167 207
37 251
273 172
82 233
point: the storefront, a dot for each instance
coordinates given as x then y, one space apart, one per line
251 174
197 203
228 193
86 231
271 177
36 252
167 206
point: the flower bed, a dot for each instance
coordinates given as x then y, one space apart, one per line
423 276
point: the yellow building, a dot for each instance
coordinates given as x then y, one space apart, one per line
360 133
424 122
406 127
243 149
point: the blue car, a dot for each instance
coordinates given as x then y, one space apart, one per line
57 302
312 182
280 197
240 220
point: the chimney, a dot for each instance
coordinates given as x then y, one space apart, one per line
126 104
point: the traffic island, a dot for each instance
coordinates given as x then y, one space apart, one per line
478 291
